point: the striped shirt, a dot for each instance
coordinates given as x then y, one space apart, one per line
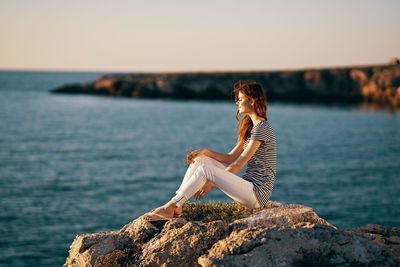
261 167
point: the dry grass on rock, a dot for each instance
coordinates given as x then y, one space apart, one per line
212 211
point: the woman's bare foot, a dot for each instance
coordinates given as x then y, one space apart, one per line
168 211
178 211
159 213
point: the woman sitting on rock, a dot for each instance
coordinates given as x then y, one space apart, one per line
255 146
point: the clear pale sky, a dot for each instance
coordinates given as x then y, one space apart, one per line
172 35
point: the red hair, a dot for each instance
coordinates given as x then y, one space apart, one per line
256 94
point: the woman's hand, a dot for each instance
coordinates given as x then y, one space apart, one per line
203 191
194 154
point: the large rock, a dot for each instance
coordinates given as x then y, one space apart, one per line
87 248
275 235
378 84
317 246
385 236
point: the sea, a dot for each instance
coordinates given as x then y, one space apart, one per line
75 164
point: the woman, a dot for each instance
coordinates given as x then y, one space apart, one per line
255 146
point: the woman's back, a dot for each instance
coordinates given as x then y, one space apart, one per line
261 168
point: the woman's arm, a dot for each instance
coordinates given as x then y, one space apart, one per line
225 158
234 154
244 156
221 157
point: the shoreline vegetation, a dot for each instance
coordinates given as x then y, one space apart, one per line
375 85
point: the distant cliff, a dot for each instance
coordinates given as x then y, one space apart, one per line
379 84
275 235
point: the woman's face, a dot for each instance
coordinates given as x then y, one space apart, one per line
244 104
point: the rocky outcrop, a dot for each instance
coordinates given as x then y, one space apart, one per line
275 235
318 246
378 84
386 236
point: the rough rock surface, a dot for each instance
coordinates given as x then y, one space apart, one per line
319 246
385 236
275 235
378 84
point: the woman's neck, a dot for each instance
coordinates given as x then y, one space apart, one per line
255 119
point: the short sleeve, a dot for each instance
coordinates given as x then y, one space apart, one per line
260 132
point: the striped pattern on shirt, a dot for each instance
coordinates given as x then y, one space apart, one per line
261 167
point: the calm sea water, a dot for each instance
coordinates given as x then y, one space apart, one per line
73 164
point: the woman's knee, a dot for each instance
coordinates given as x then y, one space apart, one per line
209 160
198 159
206 170
204 165
202 159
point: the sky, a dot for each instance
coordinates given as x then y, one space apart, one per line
189 36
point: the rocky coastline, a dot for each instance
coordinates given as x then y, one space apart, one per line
274 235
377 84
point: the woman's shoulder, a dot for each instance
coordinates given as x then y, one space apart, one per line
263 128
263 131
262 125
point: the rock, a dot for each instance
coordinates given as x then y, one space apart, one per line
87 248
139 231
394 61
93 249
274 235
388 237
347 85
317 246
276 215
182 246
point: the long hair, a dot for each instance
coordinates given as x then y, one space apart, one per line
255 93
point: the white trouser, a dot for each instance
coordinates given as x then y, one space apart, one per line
208 169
